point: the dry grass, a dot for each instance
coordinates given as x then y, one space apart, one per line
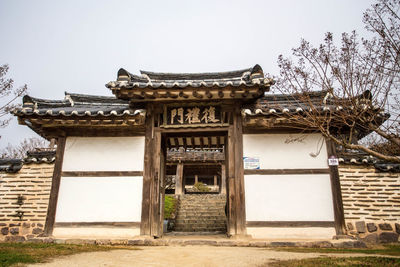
351 261
14 253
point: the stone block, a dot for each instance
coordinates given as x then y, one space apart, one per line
388 237
322 244
385 227
350 226
282 244
136 242
371 238
37 231
14 231
4 231
17 238
339 237
360 226
371 227
103 242
397 226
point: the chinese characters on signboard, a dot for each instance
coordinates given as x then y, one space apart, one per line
193 115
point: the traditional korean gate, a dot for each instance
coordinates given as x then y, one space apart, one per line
154 166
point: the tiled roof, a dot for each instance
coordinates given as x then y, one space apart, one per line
43 156
283 103
77 105
10 165
246 77
355 157
14 165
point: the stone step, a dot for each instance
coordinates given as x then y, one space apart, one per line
201 213
202 217
197 221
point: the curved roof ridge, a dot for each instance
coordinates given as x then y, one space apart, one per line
195 76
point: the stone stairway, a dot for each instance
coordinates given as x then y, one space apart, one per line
201 213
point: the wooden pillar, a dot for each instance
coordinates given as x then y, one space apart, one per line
147 172
179 179
196 179
239 174
230 168
223 180
55 187
156 200
215 180
336 191
152 175
235 174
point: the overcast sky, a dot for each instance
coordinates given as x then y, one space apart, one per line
78 46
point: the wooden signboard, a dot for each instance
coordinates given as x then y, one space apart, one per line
194 115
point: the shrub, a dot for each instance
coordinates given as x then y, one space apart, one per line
169 207
200 187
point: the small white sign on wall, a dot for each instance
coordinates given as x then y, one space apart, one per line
333 161
251 163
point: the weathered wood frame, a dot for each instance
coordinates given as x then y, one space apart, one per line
153 178
336 191
236 223
55 187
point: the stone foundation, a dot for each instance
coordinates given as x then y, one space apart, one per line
24 198
371 203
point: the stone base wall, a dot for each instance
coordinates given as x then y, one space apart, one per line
24 198
371 202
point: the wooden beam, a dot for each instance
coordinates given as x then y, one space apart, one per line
176 142
223 180
155 188
286 171
201 142
196 94
336 191
55 187
100 173
220 94
183 95
184 143
239 173
192 141
290 224
230 168
179 179
145 228
97 224
209 141
209 94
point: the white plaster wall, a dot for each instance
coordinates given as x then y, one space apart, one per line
100 199
104 154
275 153
288 198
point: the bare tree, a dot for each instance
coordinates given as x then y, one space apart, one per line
360 79
20 151
8 96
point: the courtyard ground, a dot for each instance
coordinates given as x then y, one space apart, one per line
206 256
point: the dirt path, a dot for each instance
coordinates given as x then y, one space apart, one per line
183 256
